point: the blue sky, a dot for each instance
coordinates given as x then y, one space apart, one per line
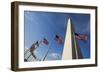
47 24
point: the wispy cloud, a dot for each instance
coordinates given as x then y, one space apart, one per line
55 55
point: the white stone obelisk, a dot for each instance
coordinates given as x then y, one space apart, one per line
67 52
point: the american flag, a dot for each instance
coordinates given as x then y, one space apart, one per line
80 37
45 41
59 39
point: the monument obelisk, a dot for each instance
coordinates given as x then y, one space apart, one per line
71 47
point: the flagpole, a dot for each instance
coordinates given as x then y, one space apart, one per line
48 50
77 48
30 54
75 45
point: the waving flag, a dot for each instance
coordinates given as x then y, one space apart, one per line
32 48
59 39
80 37
45 41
